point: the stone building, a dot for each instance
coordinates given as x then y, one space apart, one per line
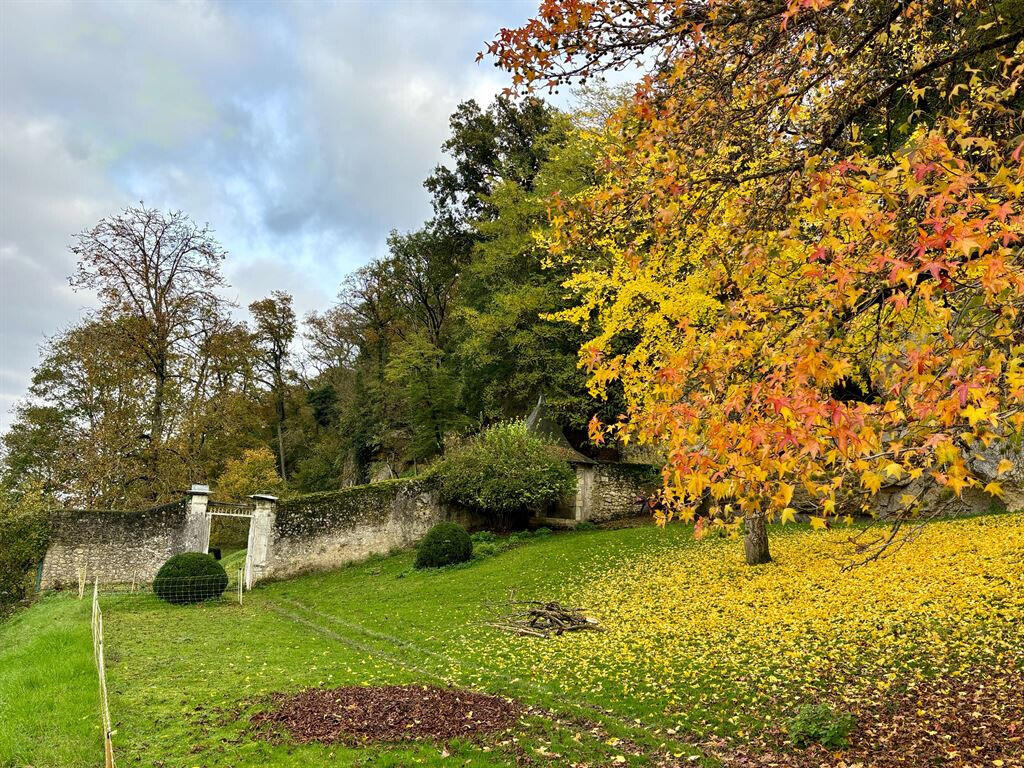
605 490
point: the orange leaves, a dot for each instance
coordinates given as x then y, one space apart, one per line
791 289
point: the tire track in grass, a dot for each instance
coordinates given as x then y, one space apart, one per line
639 741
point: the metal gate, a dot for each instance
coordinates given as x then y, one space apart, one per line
224 509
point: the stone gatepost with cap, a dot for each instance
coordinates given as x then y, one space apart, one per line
197 520
261 535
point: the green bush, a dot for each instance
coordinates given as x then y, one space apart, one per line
486 549
820 724
542 531
480 537
24 534
505 473
444 544
190 577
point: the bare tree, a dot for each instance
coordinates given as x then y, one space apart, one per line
332 339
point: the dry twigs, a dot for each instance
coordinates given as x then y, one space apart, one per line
537 619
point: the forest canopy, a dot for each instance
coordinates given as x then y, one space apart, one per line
166 383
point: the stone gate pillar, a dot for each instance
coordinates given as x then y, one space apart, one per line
261 534
197 520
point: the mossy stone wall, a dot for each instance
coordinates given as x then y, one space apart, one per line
326 530
114 546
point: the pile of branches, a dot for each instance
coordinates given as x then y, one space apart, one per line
537 619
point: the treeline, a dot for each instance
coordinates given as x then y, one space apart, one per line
163 385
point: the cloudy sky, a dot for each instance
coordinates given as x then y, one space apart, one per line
301 132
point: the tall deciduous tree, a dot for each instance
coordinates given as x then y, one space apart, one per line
156 274
488 146
803 263
509 348
274 329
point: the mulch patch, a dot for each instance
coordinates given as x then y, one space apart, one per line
362 714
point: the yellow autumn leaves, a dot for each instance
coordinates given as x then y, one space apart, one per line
693 636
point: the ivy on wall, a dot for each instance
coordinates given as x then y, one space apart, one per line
24 534
109 524
316 513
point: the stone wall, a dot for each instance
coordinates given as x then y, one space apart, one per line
322 531
607 491
116 546
319 531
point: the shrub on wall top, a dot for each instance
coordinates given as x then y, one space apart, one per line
444 544
505 473
190 577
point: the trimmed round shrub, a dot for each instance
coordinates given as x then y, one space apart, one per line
190 577
444 544
506 473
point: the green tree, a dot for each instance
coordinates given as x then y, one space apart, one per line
489 146
510 351
427 392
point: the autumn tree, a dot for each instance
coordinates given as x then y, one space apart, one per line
803 262
80 433
217 394
253 472
156 275
274 328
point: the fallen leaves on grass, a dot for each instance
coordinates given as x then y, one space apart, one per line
713 648
364 714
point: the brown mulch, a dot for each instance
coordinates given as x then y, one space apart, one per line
975 721
362 714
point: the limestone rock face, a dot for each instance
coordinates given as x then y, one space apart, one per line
985 465
381 471
939 501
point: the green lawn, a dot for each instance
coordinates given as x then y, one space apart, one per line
701 655
49 694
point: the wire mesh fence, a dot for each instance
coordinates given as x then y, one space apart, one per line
183 590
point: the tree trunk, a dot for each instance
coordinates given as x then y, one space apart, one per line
156 426
280 450
755 540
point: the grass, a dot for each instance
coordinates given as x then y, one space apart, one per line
233 561
49 695
698 650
